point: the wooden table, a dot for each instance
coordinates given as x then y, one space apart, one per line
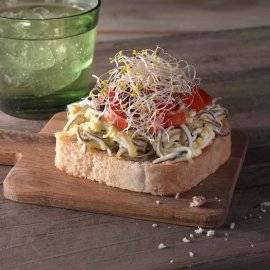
122 19
232 64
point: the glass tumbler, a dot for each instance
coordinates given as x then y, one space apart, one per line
46 52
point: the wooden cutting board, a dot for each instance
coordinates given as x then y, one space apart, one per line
35 180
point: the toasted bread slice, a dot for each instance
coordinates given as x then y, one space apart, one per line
158 179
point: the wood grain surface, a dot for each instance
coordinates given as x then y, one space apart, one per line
151 18
232 64
38 181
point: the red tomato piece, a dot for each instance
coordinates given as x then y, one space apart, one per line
194 101
118 118
197 100
111 94
206 98
175 119
101 98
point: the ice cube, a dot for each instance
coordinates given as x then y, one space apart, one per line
38 82
42 67
22 14
7 14
37 67
28 13
26 54
41 12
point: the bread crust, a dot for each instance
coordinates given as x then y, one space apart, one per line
158 179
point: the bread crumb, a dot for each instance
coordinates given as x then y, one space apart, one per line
226 239
171 261
157 201
266 204
177 195
191 254
210 233
161 246
252 245
185 240
232 226
260 217
219 200
263 210
226 234
250 215
154 225
197 201
191 235
199 230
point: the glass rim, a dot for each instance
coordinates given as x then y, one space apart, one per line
58 18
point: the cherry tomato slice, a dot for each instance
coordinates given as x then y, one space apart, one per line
194 101
206 98
111 95
197 100
175 119
118 119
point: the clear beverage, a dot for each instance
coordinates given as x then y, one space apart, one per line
46 59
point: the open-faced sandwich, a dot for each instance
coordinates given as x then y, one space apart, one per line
146 126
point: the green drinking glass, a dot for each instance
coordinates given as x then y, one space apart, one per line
46 53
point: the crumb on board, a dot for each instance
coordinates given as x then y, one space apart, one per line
171 261
199 230
191 235
191 254
232 225
197 201
210 233
186 240
154 225
177 195
265 204
161 246
157 202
